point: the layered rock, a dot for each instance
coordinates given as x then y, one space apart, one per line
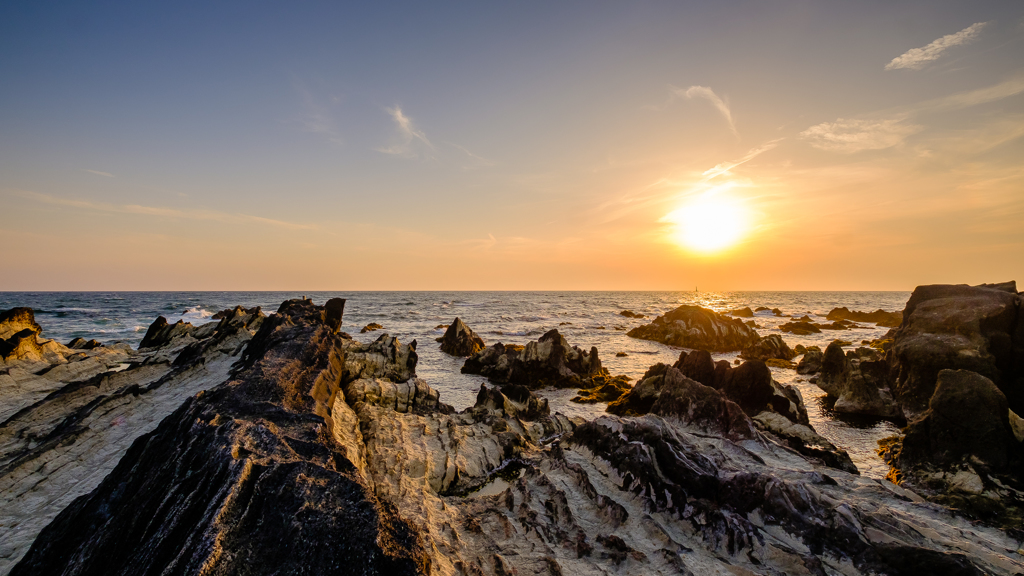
858 380
65 424
879 317
278 471
459 340
962 327
549 361
698 328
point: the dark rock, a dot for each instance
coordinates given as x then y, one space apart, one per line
858 380
549 361
513 401
459 340
629 314
744 312
777 312
603 389
16 320
811 361
160 333
371 327
958 327
967 416
772 346
800 328
879 317
760 308
697 328
83 344
621 354
334 310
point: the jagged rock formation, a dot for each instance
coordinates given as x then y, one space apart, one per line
17 319
810 362
604 388
963 450
459 340
66 421
768 347
697 328
372 326
960 327
858 380
878 317
549 361
279 471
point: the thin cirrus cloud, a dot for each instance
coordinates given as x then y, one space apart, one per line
411 137
852 135
709 95
98 173
918 58
212 215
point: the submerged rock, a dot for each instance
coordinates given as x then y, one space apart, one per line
744 312
800 328
459 340
631 314
699 328
372 326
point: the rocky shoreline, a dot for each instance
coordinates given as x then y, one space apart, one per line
285 444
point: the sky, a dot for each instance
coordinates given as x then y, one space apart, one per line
511 146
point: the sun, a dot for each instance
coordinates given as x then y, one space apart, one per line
709 223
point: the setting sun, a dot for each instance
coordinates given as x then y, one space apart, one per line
709 223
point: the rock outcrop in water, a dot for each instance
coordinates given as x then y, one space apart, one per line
698 328
549 361
459 340
858 380
878 317
68 417
767 348
810 362
281 470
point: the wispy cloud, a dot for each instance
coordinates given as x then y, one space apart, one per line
709 94
851 136
474 161
917 58
98 173
316 118
724 168
411 138
1004 89
212 215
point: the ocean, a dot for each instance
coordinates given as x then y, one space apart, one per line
585 319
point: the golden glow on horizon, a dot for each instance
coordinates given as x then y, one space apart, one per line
709 223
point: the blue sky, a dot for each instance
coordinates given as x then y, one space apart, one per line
520 146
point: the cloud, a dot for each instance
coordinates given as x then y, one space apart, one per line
709 94
474 160
1004 89
724 168
98 173
917 58
160 211
315 118
851 136
411 137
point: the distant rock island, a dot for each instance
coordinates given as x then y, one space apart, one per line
278 444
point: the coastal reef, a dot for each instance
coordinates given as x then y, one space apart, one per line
317 454
698 328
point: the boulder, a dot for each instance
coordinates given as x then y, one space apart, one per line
858 380
160 333
772 346
512 401
459 340
800 328
698 328
83 344
878 317
370 328
629 314
603 389
958 327
549 361
16 320
744 312
811 361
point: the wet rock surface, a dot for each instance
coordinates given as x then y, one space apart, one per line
859 381
698 328
318 454
769 347
460 340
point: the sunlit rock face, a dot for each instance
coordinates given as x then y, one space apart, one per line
311 458
698 328
69 413
549 361
460 340
959 327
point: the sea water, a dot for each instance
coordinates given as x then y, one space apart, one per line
585 319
